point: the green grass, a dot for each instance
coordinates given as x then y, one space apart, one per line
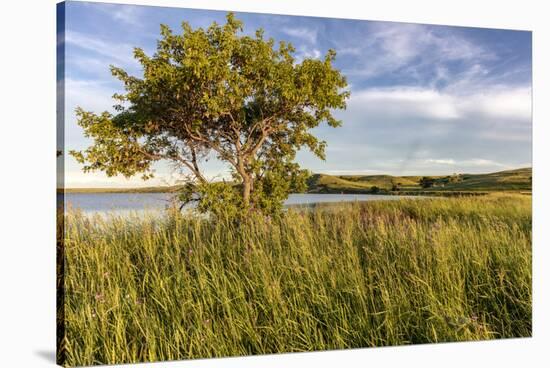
338 276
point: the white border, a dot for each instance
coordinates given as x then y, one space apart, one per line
27 227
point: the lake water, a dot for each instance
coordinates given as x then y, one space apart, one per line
120 203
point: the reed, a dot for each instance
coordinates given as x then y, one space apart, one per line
333 277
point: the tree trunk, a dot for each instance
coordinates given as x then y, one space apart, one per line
247 180
247 189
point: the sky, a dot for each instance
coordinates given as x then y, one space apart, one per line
425 99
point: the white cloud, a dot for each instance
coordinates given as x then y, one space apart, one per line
126 14
415 166
93 96
441 161
404 102
512 103
472 79
483 162
129 14
76 178
80 179
392 46
164 175
307 52
306 34
402 42
98 67
350 51
112 53
474 162
502 103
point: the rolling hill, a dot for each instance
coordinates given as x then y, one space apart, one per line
510 180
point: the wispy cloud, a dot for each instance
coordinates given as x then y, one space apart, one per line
115 52
444 166
409 48
441 161
305 34
305 52
91 95
128 14
475 162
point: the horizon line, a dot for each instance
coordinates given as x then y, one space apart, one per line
313 173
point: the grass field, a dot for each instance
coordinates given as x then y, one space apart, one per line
339 276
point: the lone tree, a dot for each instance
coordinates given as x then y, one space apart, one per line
426 182
216 92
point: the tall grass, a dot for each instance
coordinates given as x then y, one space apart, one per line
341 276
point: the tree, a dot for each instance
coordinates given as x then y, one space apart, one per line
427 182
455 178
215 92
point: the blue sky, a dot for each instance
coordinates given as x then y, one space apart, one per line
425 99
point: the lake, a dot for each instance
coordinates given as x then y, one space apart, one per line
121 203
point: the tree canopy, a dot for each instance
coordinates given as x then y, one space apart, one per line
217 92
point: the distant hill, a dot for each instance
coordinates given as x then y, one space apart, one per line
510 180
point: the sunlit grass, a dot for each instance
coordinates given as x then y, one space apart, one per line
338 276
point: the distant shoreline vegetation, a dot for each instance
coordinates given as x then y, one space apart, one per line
518 180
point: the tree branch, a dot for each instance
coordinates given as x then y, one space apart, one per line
212 145
191 166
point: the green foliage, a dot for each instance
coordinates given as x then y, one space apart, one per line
427 182
274 186
116 150
217 92
338 276
220 199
